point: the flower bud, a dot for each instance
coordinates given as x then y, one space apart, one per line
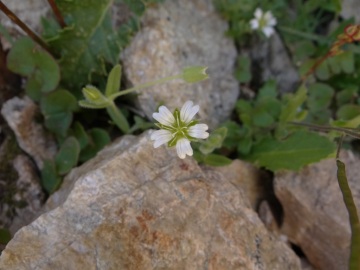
93 95
194 74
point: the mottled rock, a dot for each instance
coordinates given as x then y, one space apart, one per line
315 217
349 9
249 178
20 114
175 35
270 60
29 11
136 207
28 193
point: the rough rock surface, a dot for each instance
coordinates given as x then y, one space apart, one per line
29 11
29 193
136 207
31 137
315 217
175 35
270 60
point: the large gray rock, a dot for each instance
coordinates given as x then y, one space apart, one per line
315 217
136 207
175 35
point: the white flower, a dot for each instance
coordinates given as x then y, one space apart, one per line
178 128
264 22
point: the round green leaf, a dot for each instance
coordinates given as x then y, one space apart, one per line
68 155
98 138
49 177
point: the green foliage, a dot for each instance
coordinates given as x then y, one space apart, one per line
354 261
86 44
291 153
68 155
203 152
98 138
243 69
40 68
50 179
57 108
265 136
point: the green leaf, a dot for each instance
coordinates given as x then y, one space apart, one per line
26 59
87 43
320 96
243 69
98 139
244 145
268 90
118 118
290 110
57 108
113 82
299 149
354 262
79 132
21 58
214 141
49 177
216 160
348 112
262 118
68 155
323 71
5 236
347 62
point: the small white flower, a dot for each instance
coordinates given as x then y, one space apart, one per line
178 128
264 22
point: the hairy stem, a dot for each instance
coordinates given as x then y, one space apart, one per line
144 85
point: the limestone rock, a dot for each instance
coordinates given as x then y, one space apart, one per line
136 207
177 34
29 192
31 136
315 217
29 11
270 60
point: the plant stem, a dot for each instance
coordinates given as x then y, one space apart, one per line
57 13
23 26
144 85
301 34
328 128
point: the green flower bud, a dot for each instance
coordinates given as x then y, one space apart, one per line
194 74
93 95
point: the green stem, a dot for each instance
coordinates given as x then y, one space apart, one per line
354 260
118 118
144 85
327 128
301 34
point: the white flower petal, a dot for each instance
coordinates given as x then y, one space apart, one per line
254 24
272 22
183 148
268 31
160 137
164 116
188 111
199 131
258 13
